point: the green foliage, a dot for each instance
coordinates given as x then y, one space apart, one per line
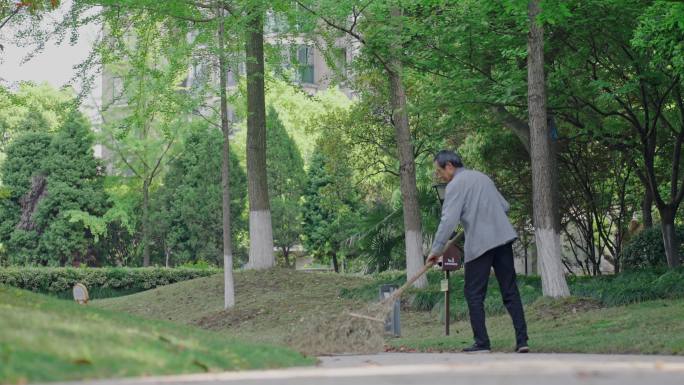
119 244
50 231
286 180
298 111
331 207
646 249
60 281
613 290
661 34
24 160
187 208
31 108
200 264
147 111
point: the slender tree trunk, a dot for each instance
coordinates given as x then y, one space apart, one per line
407 170
670 241
646 206
621 232
591 243
525 247
534 265
260 228
547 231
336 265
286 256
146 223
228 283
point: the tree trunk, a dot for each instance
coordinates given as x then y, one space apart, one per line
286 256
534 265
260 229
146 223
547 231
525 247
336 265
407 169
670 241
29 202
228 283
646 206
590 243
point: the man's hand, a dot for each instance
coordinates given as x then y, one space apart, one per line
433 259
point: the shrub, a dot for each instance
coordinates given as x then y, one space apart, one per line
631 286
646 249
101 282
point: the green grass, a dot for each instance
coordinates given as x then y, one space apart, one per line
271 303
46 339
652 327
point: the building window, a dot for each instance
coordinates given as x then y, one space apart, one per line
341 59
118 91
305 64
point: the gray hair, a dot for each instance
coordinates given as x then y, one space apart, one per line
446 156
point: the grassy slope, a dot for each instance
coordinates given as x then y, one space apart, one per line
270 303
47 339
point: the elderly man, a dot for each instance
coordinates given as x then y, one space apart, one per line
472 199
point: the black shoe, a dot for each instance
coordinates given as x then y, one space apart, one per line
522 349
476 349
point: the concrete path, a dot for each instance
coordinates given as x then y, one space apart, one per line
452 369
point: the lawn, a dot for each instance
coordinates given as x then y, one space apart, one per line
43 338
271 303
651 327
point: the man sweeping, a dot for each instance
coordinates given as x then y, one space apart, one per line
472 200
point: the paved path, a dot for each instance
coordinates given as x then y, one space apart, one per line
452 369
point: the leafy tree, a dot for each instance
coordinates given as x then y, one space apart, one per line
32 107
143 123
53 179
188 205
331 208
286 180
24 158
379 28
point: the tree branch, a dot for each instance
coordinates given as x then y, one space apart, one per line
517 125
16 10
332 24
159 160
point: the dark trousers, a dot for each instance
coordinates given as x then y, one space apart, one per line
476 280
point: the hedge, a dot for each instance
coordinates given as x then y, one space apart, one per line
101 282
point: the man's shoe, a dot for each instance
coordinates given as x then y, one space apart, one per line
476 349
522 349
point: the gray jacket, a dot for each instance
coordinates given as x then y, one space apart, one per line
472 199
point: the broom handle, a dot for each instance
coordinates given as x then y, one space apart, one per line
397 293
